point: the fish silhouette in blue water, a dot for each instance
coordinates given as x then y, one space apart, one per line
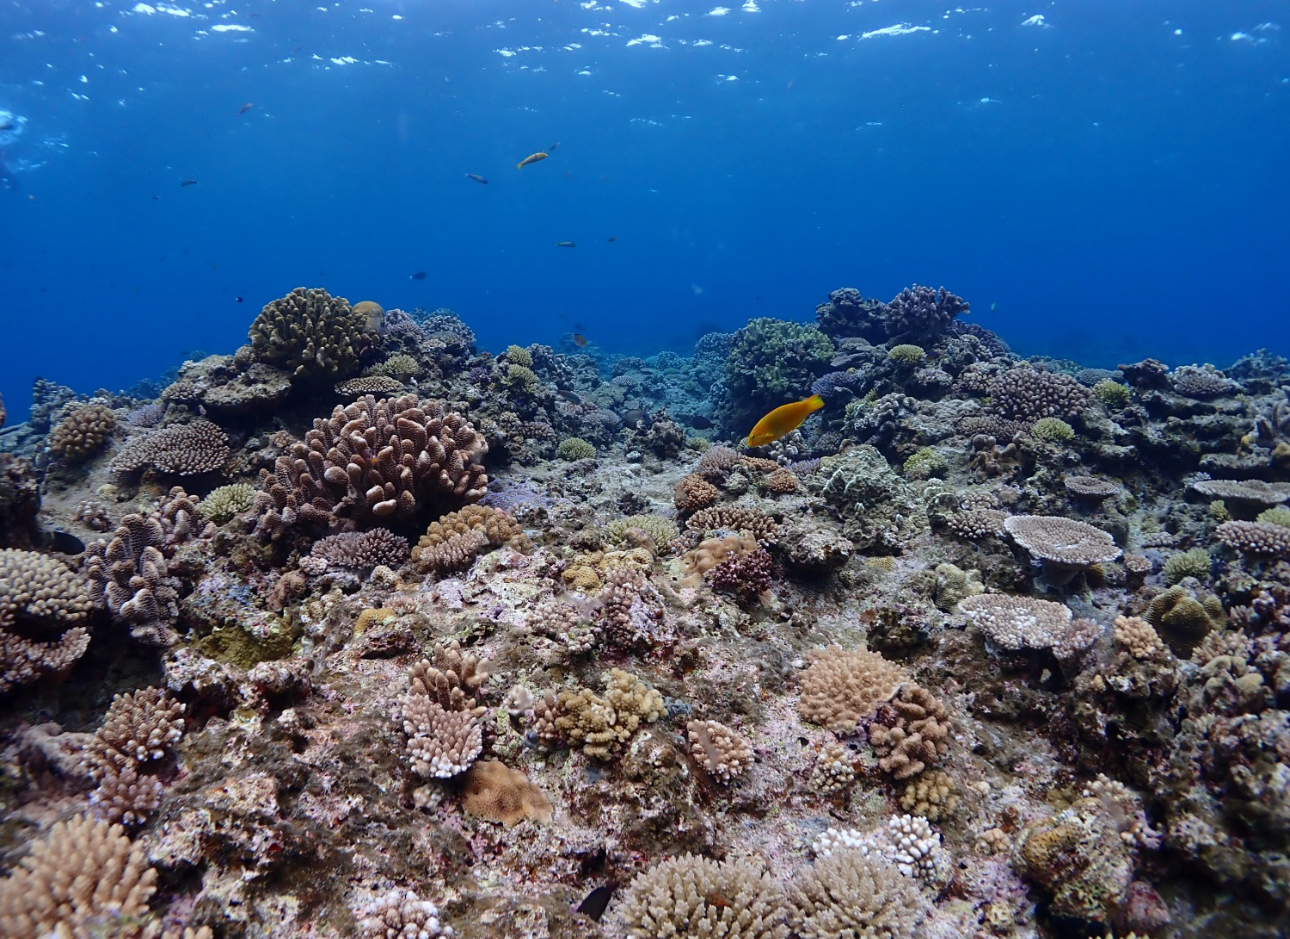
477 178
419 275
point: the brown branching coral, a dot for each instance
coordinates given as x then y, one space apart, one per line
82 433
440 713
375 460
1140 638
910 733
630 609
132 575
84 879
745 577
1257 539
600 726
730 518
716 463
841 687
311 333
358 551
137 734
693 492
693 896
179 450
42 604
453 679
719 750
451 543
1027 393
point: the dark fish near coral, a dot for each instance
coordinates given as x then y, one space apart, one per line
697 421
635 418
569 396
477 178
531 158
598 900
419 275
565 244
188 182
62 541
579 340
244 108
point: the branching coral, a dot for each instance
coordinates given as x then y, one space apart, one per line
1027 393
719 750
312 334
451 543
137 734
225 503
132 575
910 732
359 551
841 687
82 433
375 460
600 726
732 519
691 896
692 492
851 893
179 450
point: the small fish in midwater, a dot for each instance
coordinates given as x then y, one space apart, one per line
782 420
697 421
612 238
994 307
531 158
566 244
477 178
419 275
580 340
244 108
239 299
188 182
554 147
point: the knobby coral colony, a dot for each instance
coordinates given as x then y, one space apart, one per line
988 647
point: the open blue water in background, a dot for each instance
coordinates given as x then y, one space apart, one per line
1112 175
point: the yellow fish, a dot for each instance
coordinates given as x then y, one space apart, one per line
785 418
531 158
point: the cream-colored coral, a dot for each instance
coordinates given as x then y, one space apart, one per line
600 726
451 543
910 733
1140 638
83 879
1017 622
852 894
840 687
691 896
719 750
933 795
713 551
41 591
693 492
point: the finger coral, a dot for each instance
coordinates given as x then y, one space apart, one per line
730 518
693 492
311 333
360 551
132 575
375 460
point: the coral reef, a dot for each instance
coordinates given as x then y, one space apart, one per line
312 334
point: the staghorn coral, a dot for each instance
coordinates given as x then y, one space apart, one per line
496 792
1017 622
179 450
721 752
375 460
842 687
453 541
692 492
1194 563
906 354
735 519
1112 393
312 334
83 879
1025 393
572 449
1064 546
359 551
851 894
82 433
910 732
688 897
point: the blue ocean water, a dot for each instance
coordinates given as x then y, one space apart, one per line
1103 181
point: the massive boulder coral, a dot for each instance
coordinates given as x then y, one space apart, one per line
375 460
312 334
